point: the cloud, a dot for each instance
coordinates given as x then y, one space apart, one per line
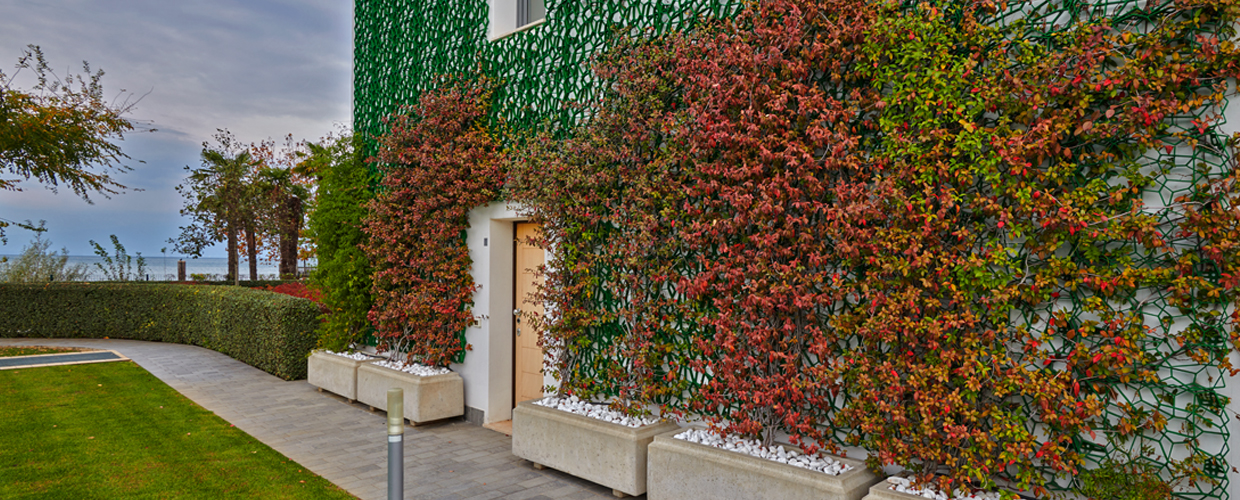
258 68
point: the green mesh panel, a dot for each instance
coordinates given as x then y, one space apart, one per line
1187 393
402 46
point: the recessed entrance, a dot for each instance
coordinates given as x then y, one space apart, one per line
527 379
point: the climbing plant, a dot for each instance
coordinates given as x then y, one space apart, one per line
929 230
600 194
342 277
991 242
438 162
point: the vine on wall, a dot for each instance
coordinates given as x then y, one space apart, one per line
438 161
602 194
992 243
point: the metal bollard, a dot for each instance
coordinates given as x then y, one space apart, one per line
396 443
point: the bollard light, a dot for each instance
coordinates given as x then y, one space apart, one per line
396 443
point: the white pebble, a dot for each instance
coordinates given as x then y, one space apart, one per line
574 405
905 485
357 356
821 463
418 369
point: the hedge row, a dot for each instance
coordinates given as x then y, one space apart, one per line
270 331
243 283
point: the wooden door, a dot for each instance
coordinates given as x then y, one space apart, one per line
527 380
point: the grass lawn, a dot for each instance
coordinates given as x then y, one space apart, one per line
113 430
9 351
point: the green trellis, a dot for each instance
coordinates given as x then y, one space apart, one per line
403 46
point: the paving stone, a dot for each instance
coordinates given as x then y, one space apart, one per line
344 442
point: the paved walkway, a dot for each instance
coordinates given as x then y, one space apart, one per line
345 443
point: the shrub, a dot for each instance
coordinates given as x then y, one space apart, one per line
335 224
438 162
120 267
37 264
1124 481
271 332
242 283
296 289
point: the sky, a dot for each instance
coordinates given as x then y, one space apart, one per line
259 68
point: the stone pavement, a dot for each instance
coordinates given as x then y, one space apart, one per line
345 443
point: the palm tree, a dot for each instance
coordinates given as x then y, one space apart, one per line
220 199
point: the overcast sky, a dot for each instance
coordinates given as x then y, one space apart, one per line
260 68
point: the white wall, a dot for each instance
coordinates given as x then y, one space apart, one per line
502 19
1232 389
487 369
502 15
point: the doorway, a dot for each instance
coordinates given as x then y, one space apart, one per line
527 377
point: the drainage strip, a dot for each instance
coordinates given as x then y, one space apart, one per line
75 358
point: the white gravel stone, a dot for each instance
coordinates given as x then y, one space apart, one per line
574 405
351 355
752 447
905 485
418 369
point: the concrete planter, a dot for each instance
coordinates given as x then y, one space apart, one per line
335 374
426 398
683 470
612 455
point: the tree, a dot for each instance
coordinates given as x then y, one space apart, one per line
335 227
60 131
219 200
283 187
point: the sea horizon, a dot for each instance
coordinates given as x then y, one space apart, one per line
160 268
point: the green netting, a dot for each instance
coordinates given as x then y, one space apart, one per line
1187 389
402 46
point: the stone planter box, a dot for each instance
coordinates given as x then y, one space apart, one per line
612 455
427 399
680 469
335 374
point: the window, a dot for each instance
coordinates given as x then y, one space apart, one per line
530 11
510 16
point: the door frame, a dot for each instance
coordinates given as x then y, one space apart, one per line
515 303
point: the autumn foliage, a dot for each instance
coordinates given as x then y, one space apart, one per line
296 289
959 235
936 232
601 194
438 161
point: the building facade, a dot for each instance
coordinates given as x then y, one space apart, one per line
539 53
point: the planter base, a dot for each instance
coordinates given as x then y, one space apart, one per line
335 374
883 491
680 469
612 455
426 398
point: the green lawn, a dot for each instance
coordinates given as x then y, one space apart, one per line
112 430
9 351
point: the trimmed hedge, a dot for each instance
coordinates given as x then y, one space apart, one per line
270 331
244 283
